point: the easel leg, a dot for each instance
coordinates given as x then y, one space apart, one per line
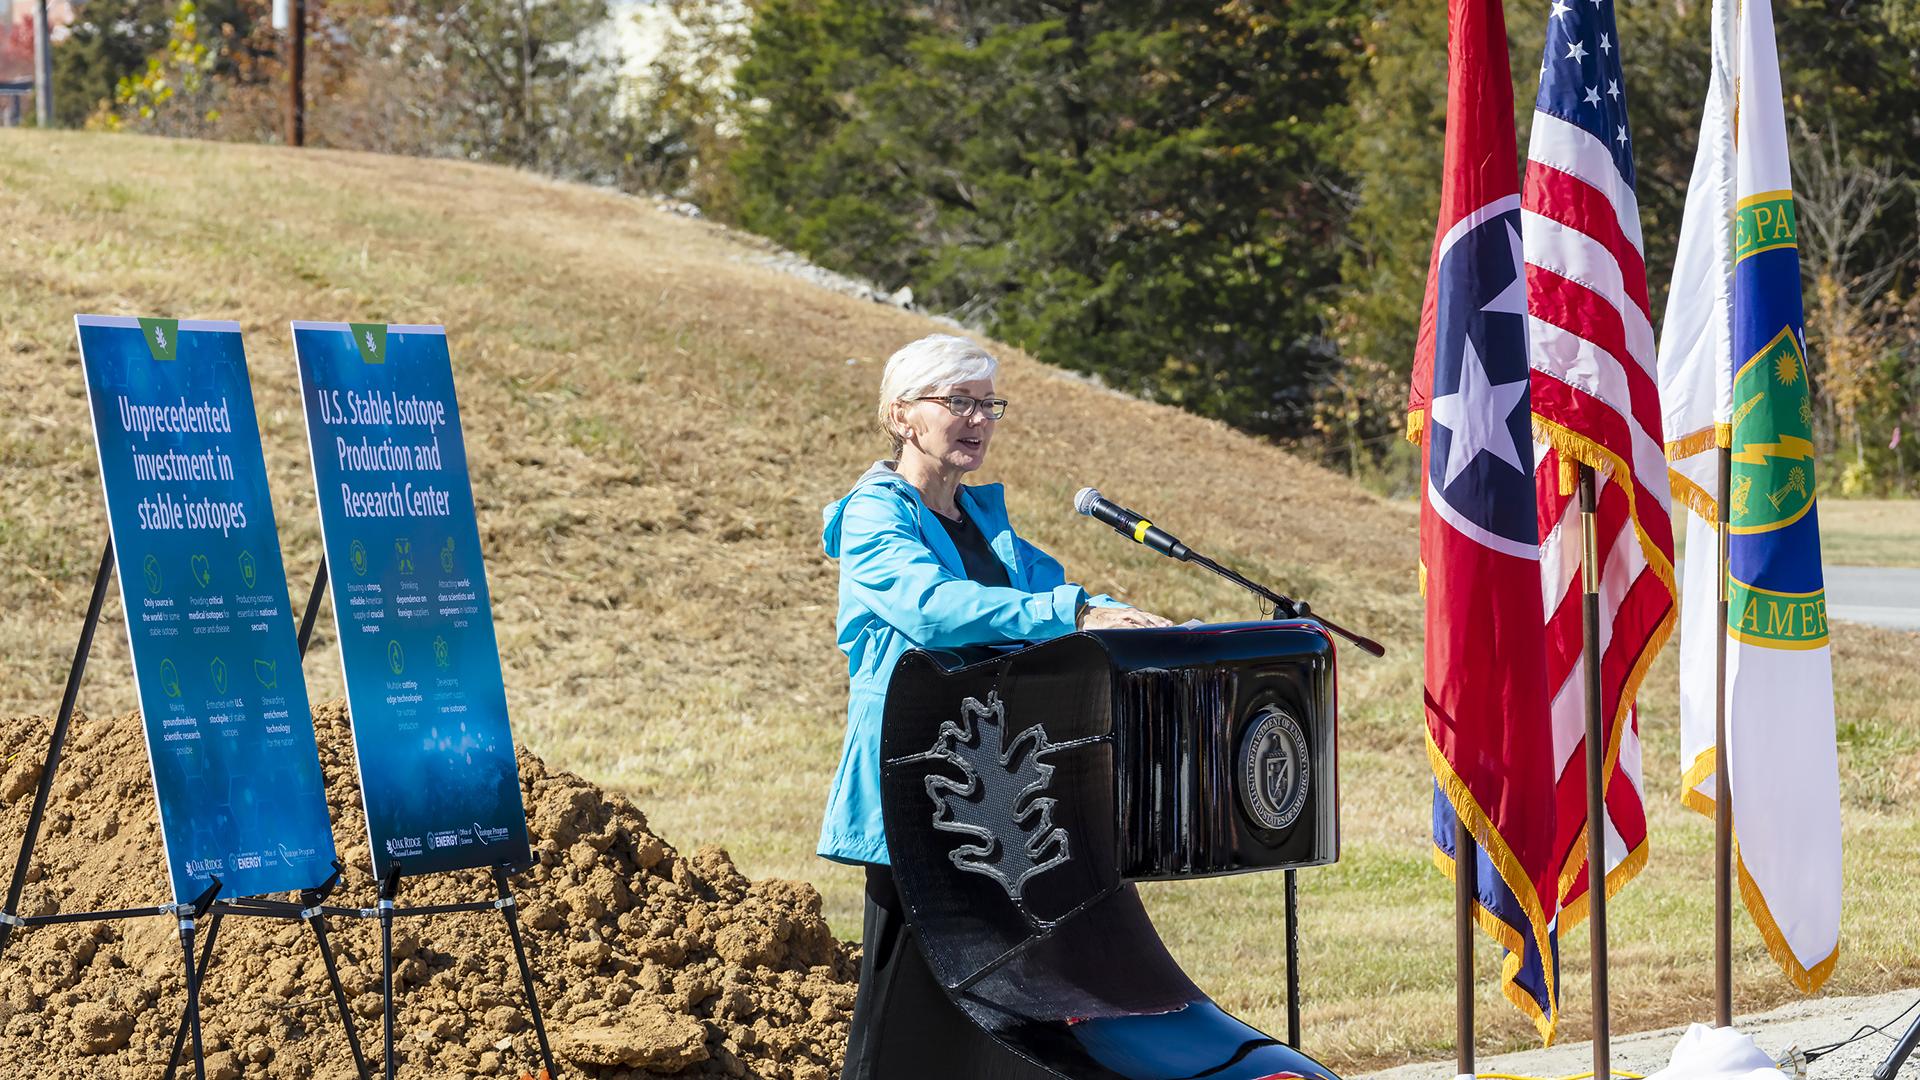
319 925
526 971
193 999
57 741
313 606
197 975
388 889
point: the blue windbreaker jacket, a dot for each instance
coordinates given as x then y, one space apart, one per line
903 586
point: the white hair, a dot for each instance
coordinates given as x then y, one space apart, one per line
923 366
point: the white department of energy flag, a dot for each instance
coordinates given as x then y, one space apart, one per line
1732 368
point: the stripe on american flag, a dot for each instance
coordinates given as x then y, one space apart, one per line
1595 402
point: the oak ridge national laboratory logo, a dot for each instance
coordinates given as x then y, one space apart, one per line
1274 769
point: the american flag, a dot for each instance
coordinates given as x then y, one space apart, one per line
1489 736
1596 401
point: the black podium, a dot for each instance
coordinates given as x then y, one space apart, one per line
1024 792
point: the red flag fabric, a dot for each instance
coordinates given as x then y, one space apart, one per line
1489 733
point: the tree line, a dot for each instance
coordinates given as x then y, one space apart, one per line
1222 204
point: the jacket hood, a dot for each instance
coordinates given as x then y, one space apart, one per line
881 472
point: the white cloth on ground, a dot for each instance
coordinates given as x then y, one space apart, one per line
1707 1053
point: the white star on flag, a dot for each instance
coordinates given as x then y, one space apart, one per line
1620 135
1613 88
1512 299
1476 412
1576 51
1476 415
1559 9
1593 95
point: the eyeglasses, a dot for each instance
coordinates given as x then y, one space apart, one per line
963 406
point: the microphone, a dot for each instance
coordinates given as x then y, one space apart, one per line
1090 502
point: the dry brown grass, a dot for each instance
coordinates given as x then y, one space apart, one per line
1870 532
654 423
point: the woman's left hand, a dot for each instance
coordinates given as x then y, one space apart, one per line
1121 618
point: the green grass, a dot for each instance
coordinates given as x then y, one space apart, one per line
649 503
1870 532
1857 532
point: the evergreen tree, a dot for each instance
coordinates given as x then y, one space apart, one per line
1143 191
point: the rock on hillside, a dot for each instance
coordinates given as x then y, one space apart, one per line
650 962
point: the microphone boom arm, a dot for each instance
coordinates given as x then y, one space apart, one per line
1131 524
1286 607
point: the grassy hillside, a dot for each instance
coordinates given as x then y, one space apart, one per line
655 421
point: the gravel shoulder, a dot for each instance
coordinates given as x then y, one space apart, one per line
1815 1022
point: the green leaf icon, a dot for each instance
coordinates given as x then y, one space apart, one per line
371 340
162 337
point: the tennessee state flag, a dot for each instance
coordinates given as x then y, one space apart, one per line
1489 728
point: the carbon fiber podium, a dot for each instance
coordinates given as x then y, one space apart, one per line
1024 793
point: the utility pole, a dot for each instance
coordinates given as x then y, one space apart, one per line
292 17
42 65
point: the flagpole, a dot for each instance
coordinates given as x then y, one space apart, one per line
1596 780
1722 783
1466 858
1723 788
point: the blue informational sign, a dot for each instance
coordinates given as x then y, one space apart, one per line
215 661
410 597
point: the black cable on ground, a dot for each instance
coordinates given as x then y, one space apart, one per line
1822 1051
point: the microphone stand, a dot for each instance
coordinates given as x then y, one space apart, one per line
1286 607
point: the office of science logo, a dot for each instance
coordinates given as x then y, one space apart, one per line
1772 478
1274 769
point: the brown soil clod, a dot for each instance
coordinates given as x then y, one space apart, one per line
649 962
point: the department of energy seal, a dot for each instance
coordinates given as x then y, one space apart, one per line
1274 772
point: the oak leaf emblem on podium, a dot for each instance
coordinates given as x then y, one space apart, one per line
999 803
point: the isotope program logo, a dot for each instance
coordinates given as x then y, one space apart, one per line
1274 768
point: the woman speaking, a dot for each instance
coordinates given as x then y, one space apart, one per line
926 562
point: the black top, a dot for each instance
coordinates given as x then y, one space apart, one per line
976 554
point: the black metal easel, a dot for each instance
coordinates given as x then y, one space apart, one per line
309 911
388 909
189 914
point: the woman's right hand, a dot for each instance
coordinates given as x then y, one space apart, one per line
1120 618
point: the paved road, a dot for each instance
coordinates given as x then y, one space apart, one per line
1878 595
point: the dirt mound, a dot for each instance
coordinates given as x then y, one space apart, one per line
650 962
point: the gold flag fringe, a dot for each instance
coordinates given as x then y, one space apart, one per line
1588 452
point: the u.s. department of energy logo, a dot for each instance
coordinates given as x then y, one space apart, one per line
1274 769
